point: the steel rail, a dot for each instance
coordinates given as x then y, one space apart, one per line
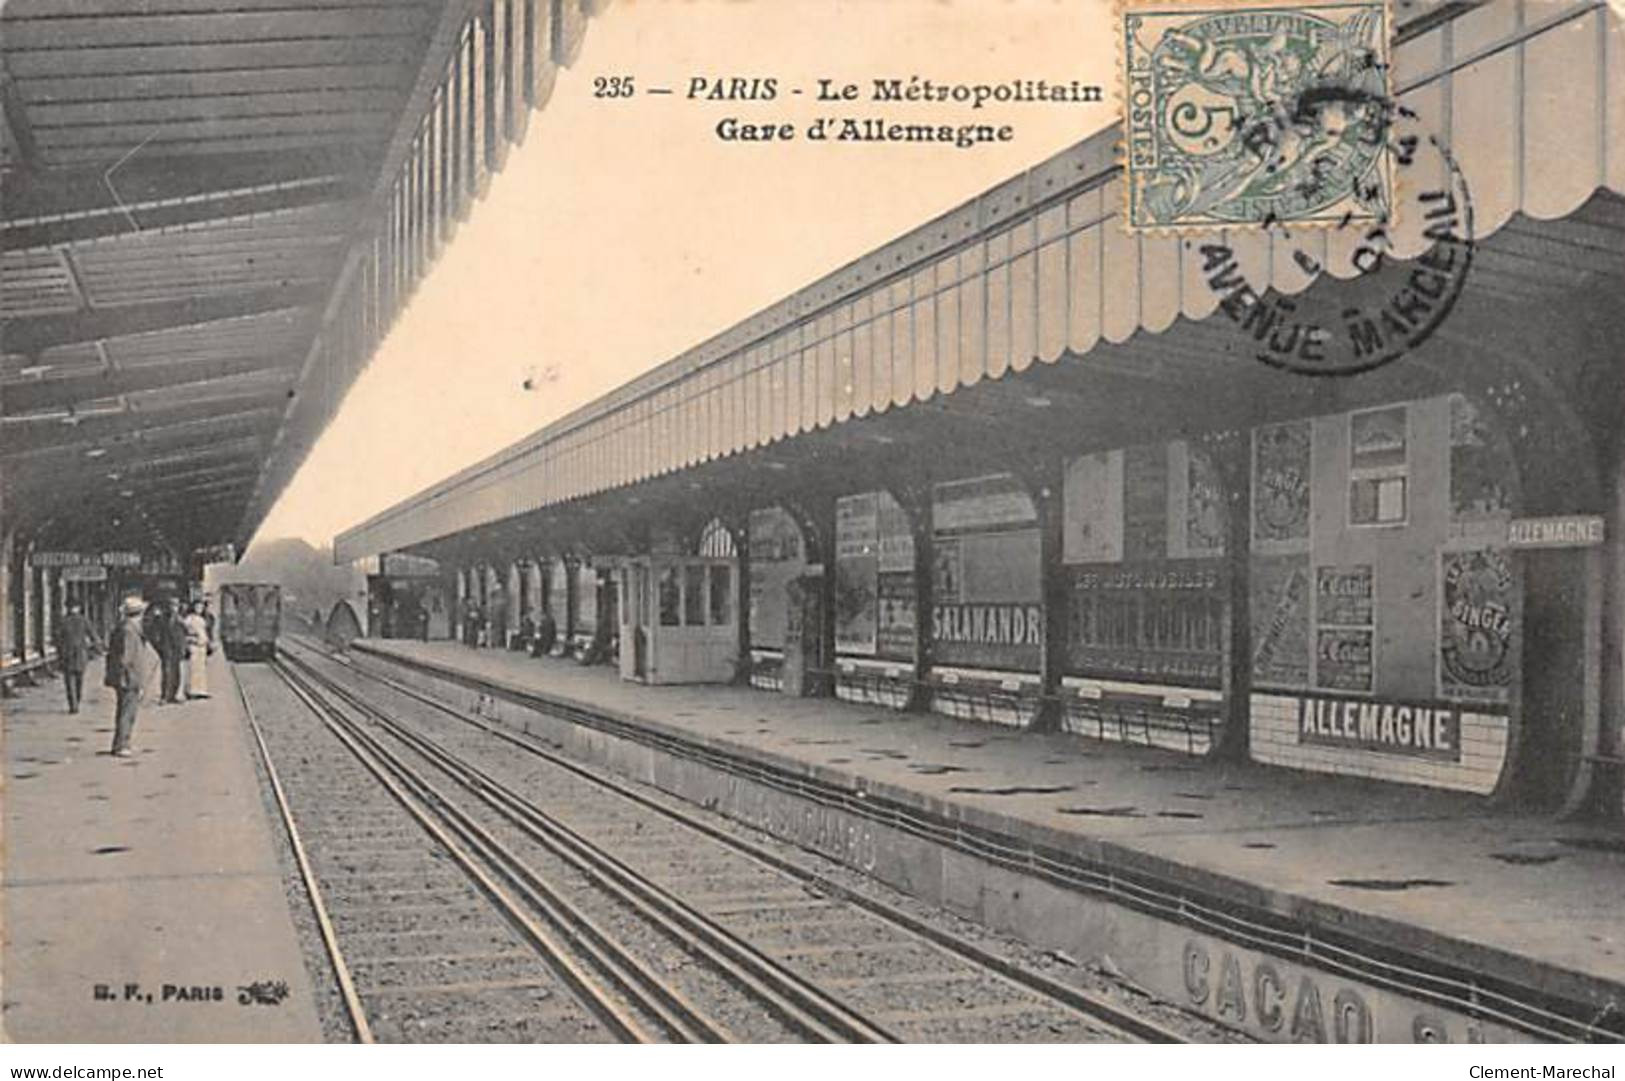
801 1003
1093 1007
313 891
603 1003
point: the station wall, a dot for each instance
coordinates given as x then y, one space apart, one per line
1384 604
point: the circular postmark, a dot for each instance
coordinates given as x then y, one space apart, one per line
1388 303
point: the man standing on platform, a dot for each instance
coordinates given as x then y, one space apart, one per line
74 641
172 651
126 673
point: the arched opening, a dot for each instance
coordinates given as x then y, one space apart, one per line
876 600
717 541
778 557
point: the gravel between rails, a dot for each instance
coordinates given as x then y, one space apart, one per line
432 958
909 986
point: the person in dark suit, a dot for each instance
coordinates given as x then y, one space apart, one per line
74 643
176 642
126 673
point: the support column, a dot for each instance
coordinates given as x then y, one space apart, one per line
567 629
915 499
1044 475
50 601
8 621
30 633
815 515
738 524
824 524
1230 453
1055 599
1609 780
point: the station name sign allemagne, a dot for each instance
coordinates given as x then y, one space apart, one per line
1562 531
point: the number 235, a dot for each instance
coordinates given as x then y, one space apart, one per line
612 86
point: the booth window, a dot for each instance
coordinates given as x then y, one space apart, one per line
694 595
671 598
722 596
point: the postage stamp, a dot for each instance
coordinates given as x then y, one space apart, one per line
1255 114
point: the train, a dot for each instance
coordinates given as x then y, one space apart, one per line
250 619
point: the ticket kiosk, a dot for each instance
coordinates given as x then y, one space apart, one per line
679 619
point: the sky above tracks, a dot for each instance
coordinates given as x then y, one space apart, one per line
623 230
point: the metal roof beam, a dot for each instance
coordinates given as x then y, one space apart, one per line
162 437
89 432
116 219
34 334
17 130
151 178
22 396
133 460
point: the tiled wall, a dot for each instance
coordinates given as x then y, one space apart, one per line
1275 740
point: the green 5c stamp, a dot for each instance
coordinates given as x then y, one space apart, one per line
1257 114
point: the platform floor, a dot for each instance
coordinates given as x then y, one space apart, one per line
1527 897
143 876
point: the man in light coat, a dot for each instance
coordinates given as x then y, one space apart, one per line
126 673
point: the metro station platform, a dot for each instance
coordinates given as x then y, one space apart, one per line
142 895
1258 895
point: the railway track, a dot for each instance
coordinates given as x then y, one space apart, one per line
688 930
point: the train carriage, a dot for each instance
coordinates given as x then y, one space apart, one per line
250 619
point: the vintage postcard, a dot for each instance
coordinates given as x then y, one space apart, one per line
801 521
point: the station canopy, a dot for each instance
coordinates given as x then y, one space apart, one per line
210 213
1028 317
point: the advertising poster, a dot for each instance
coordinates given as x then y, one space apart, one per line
1204 505
776 558
948 577
1092 511
992 619
857 564
895 635
1281 483
1280 615
1344 660
1477 631
1377 440
1160 622
856 600
985 603
857 526
1478 475
1344 595
980 504
1145 502
896 537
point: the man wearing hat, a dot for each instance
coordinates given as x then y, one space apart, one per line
74 642
126 672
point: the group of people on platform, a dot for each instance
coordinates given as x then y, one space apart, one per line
539 636
182 636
